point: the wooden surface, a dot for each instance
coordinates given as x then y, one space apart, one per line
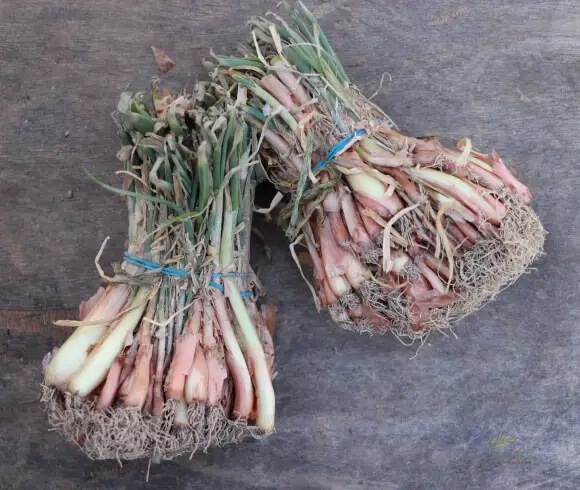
353 412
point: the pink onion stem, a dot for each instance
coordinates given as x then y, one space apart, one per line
244 392
406 184
469 231
111 385
514 184
216 362
183 359
353 220
292 83
372 205
438 265
196 385
279 90
158 400
460 190
431 277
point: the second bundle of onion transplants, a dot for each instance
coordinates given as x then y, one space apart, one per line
404 234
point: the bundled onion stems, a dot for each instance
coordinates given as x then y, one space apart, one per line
404 234
175 355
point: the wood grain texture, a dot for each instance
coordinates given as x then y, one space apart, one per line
38 321
353 412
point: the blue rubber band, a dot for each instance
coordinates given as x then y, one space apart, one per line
152 266
339 147
169 271
217 286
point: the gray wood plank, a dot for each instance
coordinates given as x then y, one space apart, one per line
353 412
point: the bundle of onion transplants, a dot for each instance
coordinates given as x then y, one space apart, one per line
175 355
404 234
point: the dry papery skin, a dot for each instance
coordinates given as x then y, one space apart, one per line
125 434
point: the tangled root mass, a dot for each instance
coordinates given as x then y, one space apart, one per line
126 434
491 266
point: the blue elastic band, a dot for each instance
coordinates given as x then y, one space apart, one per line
169 271
153 266
338 148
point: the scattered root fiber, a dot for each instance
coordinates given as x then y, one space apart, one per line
391 305
485 270
125 434
372 256
364 326
350 300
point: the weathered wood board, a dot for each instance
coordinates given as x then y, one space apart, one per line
353 412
